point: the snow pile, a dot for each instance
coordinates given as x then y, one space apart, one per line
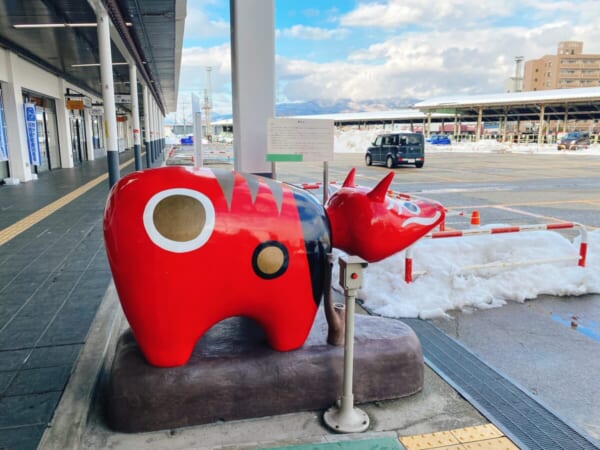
441 283
357 141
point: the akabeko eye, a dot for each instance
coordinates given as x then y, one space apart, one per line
179 220
412 207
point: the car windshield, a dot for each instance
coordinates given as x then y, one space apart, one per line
572 136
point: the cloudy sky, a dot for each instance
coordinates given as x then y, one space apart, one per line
330 50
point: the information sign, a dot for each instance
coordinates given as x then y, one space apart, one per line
293 139
32 134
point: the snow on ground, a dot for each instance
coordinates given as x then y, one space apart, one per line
357 141
442 284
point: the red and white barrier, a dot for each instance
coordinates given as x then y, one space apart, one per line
408 259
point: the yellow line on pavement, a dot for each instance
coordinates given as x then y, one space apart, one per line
478 437
19 227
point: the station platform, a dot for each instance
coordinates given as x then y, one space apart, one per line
60 320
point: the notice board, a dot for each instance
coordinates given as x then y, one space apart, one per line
294 139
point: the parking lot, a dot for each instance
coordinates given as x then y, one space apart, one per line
524 341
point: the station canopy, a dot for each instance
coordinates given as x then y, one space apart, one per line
61 37
576 103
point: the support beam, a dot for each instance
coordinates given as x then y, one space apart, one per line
108 97
135 114
146 125
18 162
89 135
541 127
253 76
427 134
479 120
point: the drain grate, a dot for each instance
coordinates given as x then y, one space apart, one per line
522 418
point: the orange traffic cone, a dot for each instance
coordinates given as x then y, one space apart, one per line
475 219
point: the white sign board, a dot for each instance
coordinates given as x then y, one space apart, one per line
293 139
122 98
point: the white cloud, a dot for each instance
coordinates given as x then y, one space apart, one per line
422 64
193 77
450 48
199 26
313 33
424 13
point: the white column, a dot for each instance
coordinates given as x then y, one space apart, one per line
16 136
428 133
147 125
63 124
89 138
479 119
135 114
253 76
541 127
108 96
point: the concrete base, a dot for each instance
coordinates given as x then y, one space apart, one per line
233 375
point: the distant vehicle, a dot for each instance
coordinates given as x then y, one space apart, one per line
438 139
397 148
188 140
574 141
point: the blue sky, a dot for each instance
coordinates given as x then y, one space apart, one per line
376 51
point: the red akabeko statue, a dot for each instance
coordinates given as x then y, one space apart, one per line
189 247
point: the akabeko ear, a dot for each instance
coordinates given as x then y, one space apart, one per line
349 181
380 191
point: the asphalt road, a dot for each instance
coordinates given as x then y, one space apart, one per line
533 343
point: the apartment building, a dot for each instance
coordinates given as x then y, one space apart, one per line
569 68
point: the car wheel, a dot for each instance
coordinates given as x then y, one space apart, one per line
389 162
419 164
368 160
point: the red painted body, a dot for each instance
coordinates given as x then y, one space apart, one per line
173 289
171 299
369 223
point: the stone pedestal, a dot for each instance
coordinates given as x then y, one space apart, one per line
233 374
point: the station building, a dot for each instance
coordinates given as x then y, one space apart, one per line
54 111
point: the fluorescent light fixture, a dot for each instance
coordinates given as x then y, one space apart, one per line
60 25
98 64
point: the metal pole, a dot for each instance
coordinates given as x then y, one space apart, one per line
346 418
108 97
135 112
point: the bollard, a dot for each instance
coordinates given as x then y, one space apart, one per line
345 418
475 222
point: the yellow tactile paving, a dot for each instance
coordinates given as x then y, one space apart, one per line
431 440
18 227
486 437
470 434
492 444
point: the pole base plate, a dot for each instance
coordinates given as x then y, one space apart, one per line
353 420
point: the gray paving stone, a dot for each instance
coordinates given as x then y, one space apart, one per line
63 355
21 438
13 359
40 380
5 380
31 409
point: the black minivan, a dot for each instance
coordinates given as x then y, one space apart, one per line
397 148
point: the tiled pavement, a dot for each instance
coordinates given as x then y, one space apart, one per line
53 276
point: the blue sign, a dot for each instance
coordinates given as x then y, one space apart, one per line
3 146
32 135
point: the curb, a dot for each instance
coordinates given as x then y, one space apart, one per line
68 424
